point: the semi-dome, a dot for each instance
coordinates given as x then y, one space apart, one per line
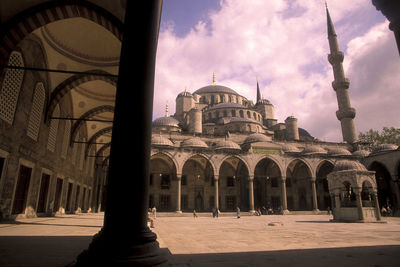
194 142
289 148
215 89
384 147
226 144
338 151
166 121
361 153
256 137
347 165
313 149
159 140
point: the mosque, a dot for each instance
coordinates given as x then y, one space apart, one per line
66 145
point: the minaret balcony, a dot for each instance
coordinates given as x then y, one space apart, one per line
336 57
343 84
349 113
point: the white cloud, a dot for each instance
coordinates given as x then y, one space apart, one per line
284 43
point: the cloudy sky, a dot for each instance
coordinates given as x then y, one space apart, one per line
283 43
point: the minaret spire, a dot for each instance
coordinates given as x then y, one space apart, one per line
258 92
166 107
346 113
213 78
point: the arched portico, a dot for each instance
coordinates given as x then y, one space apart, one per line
385 185
268 193
234 184
322 188
300 186
162 183
197 182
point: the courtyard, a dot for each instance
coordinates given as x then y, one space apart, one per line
268 240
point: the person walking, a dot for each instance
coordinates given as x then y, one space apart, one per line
238 212
213 212
194 214
154 211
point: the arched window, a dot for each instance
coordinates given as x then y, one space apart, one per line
35 116
233 112
248 115
221 98
225 113
230 99
10 88
51 142
67 136
254 116
241 113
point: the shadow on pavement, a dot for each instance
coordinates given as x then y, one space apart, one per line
62 250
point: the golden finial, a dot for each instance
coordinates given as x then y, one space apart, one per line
326 4
166 109
213 78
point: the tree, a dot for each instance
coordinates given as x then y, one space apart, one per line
372 138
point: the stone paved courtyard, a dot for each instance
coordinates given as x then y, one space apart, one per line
269 240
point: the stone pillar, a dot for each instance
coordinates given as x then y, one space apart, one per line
314 194
377 208
178 200
283 195
251 194
357 191
216 197
125 239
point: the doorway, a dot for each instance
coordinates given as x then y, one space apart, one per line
43 192
21 192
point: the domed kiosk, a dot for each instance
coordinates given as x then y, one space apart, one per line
353 192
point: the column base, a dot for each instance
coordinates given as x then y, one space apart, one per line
315 211
110 250
178 211
252 212
285 212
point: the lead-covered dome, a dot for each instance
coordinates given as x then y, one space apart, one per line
159 140
313 149
166 121
384 147
361 153
215 89
194 142
226 144
338 151
348 165
256 137
289 148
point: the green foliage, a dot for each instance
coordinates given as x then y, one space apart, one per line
372 138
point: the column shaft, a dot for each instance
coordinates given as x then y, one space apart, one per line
377 208
179 193
125 238
359 206
216 197
283 194
251 194
314 195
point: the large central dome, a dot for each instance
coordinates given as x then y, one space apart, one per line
215 89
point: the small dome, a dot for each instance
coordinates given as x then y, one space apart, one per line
226 144
185 93
194 142
314 149
256 137
347 165
384 147
289 148
338 151
159 140
361 153
166 121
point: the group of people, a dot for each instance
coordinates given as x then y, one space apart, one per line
386 211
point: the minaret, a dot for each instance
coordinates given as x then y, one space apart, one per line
341 84
258 92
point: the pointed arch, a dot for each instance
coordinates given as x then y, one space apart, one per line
89 114
21 25
63 88
95 136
